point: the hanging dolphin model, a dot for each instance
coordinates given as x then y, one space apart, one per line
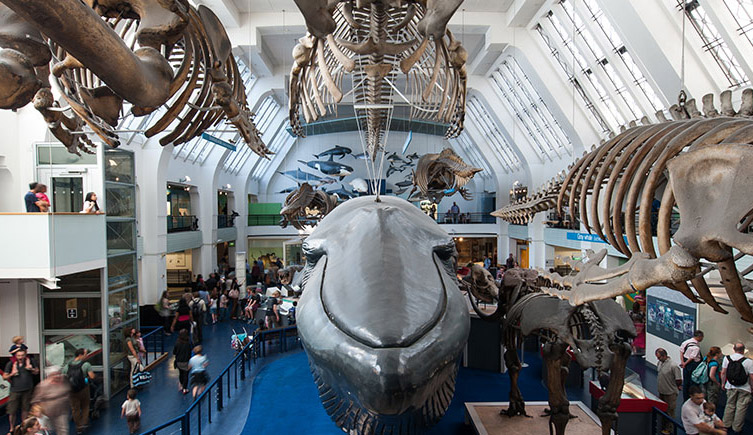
329 167
337 151
384 339
360 156
288 190
404 183
299 175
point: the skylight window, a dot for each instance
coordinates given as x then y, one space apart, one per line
742 12
521 98
478 115
713 42
466 145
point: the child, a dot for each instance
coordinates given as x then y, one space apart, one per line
198 366
224 299
42 196
30 426
18 344
141 349
131 410
710 418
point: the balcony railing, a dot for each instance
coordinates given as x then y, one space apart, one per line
263 219
226 220
466 218
176 224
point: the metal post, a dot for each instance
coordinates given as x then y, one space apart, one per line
243 364
219 394
185 424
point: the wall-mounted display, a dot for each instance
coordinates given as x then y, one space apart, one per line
670 321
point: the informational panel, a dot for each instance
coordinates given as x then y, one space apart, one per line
669 320
240 272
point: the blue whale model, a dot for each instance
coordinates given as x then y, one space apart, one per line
381 317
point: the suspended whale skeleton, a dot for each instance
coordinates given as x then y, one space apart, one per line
704 161
151 53
374 41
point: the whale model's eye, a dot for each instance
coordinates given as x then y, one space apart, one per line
448 255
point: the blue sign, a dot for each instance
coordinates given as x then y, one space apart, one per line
218 141
585 237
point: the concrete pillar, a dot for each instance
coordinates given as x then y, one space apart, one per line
503 242
537 254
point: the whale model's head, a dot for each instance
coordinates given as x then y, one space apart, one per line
381 317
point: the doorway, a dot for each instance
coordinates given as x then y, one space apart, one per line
67 194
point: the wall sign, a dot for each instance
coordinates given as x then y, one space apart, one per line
584 237
72 313
670 321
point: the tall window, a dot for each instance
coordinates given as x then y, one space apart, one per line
587 47
713 42
478 115
742 12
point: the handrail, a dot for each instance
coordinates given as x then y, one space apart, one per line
182 223
159 338
466 218
258 341
658 417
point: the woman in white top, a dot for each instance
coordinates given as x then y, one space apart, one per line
90 204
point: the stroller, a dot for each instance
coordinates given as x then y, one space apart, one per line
238 341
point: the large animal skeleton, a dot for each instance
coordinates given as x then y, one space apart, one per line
306 206
375 40
153 54
384 338
440 175
597 333
704 164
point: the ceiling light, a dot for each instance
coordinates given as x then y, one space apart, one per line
185 179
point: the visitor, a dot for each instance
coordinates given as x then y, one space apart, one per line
90 204
693 416
737 376
254 302
43 201
713 387
213 306
132 349
52 395
690 357
204 295
272 316
510 262
31 200
182 353
79 374
20 376
182 319
234 294
18 344
639 321
455 211
131 410
198 312
212 281
710 418
224 300
30 426
487 262
165 312
198 366
668 382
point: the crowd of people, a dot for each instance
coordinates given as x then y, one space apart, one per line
702 379
37 201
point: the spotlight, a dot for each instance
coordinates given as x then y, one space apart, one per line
185 179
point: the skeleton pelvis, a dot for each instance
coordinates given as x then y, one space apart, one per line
710 185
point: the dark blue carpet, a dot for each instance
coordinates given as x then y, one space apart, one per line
288 381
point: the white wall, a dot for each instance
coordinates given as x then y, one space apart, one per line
19 314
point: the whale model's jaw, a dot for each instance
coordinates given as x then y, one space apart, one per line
381 317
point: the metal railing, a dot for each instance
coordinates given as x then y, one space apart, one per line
219 390
226 220
154 342
177 224
660 420
466 218
263 219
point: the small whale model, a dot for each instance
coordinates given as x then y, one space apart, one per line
337 151
359 185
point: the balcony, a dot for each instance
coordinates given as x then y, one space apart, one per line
467 218
177 224
46 245
226 220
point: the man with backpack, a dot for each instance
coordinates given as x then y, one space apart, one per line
20 375
79 374
690 357
198 310
737 377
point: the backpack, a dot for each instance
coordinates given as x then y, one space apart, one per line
736 373
196 309
701 373
76 377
